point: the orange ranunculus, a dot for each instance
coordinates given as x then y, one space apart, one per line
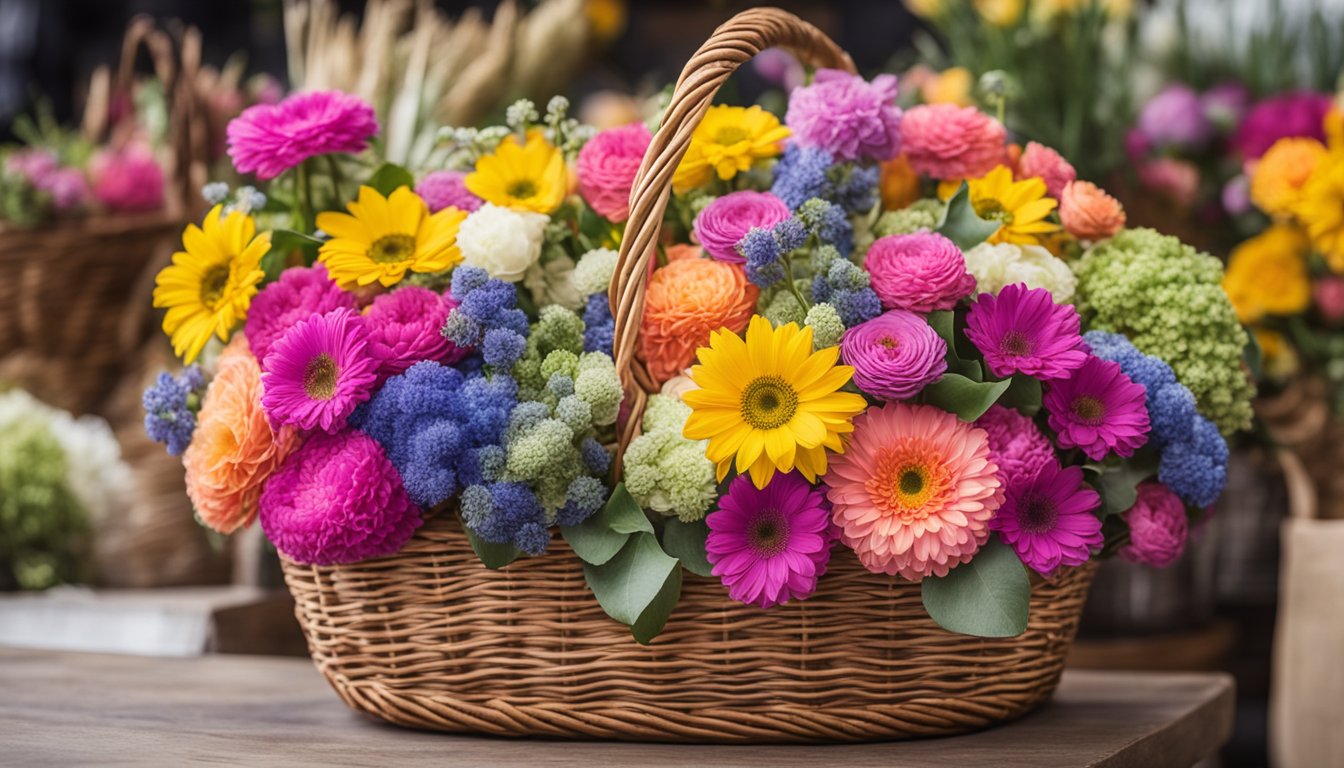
685 301
1088 213
898 183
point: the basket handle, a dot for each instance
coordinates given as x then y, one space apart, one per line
733 44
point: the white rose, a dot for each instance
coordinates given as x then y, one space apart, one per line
594 271
502 242
997 265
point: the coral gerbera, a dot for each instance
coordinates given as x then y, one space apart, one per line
769 545
1049 521
209 286
383 238
727 142
1099 410
524 177
915 491
319 371
1020 207
769 402
1023 330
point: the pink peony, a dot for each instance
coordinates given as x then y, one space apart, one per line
848 117
1016 445
269 139
299 294
894 355
404 329
950 142
128 180
1329 294
445 189
1158 527
607 165
921 272
724 222
1042 162
1298 113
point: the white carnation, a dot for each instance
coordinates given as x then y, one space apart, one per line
502 242
595 270
997 265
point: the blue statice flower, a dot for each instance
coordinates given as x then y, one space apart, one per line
802 174
506 513
762 252
502 347
845 286
171 403
584 496
856 191
790 234
829 223
599 327
595 457
1195 466
1171 405
485 304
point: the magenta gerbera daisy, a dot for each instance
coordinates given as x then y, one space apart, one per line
1023 330
319 371
768 546
269 139
1049 521
1099 410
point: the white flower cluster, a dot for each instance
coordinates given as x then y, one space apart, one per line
997 265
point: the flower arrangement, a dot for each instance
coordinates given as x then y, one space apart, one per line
983 379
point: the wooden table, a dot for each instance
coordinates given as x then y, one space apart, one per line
67 709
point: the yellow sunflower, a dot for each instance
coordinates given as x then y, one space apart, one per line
527 177
727 142
1267 274
769 402
1320 209
209 286
1020 207
383 238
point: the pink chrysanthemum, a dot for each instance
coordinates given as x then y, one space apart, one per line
1015 444
724 222
1099 410
950 142
404 329
319 371
299 294
1046 164
914 492
1049 520
446 189
921 272
269 139
847 116
1023 330
337 499
1158 527
606 167
769 546
129 180
894 355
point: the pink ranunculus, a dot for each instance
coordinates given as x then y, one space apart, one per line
921 272
1329 295
894 355
607 165
445 189
1048 165
128 180
269 139
1299 113
724 222
847 116
1158 527
950 142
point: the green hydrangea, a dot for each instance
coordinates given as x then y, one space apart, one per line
598 385
1168 299
665 413
920 215
41 520
826 326
594 271
783 308
666 472
534 451
556 328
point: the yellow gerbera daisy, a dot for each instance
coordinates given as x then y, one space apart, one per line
527 177
383 238
1320 209
209 286
727 142
1020 207
769 402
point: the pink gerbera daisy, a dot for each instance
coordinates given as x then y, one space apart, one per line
1049 520
404 329
1099 410
269 139
319 371
1023 330
914 492
768 546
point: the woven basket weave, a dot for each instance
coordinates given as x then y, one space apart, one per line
430 638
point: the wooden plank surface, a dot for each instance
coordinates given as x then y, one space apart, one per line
70 709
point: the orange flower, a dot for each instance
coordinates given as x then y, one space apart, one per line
1088 213
234 449
685 301
899 184
682 251
1276 182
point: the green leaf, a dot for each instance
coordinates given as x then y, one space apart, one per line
988 597
389 177
962 225
1024 394
602 535
967 398
654 617
633 586
943 323
686 542
283 243
624 514
495 556
1119 484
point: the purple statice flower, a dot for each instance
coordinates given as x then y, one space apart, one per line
845 115
599 327
170 406
1049 521
1023 330
506 513
1175 118
801 174
269 139
1195 465
483 304
761 252
829 223
723 223
1099 410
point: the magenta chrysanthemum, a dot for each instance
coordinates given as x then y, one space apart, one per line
404 329
921 272
269 139
724 222
1023 330
894 355
1048 165
337 499
299 294
1049 520
950 142
1158 527
319 371
768 546
606 167
1099 410
847 116
128 180
1015 444
446 189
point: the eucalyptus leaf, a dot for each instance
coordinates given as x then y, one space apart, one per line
962 225
654 617
966 398
602 535
686 542
624 514
1024 394
632 581
1118 484
943 323
988 597
494 556
389 177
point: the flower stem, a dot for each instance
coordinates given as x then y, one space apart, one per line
793 287
304 193
336 177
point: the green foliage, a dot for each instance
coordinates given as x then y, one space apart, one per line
961 224
967 398
493 556
686 542
389 177
988 597
42 523
602 535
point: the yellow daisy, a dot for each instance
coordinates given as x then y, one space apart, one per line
769 402
1020 207
383 238
727 142
209 286
528 177
1320 209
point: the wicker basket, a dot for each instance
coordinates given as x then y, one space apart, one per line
430 638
